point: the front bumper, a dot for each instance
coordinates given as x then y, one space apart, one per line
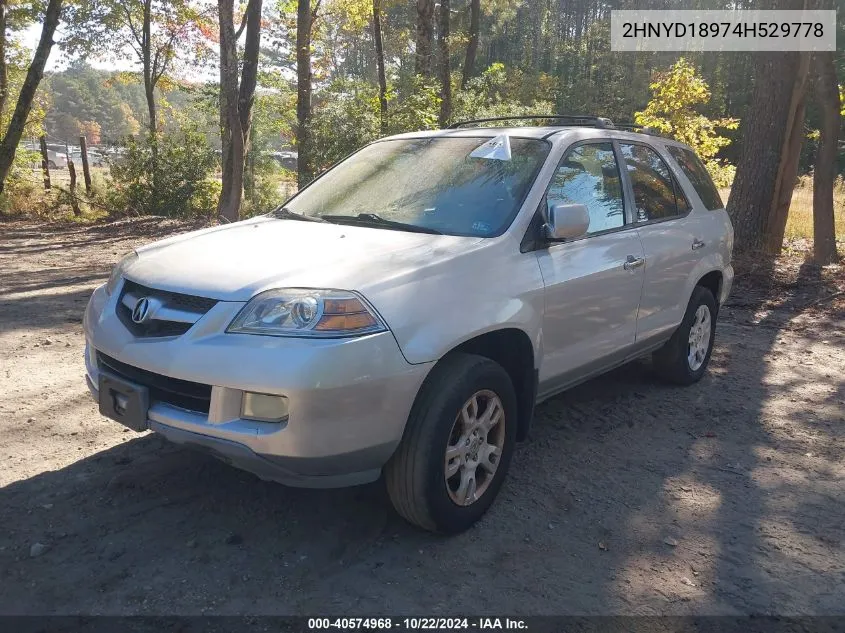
349 398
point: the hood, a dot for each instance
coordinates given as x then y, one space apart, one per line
236 261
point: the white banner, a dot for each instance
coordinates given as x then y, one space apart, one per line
693 30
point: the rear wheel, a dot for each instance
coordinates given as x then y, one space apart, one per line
684 358
457 445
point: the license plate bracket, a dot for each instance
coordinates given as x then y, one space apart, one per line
124 401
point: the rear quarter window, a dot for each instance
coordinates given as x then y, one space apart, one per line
697 173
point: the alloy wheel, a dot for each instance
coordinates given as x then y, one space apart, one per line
475 447
699 338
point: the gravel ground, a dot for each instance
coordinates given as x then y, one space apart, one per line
631 497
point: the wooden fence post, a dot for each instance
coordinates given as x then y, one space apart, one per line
45 162
74 203
86 171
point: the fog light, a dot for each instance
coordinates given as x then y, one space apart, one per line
264 407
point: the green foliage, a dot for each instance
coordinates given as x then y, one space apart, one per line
21 175
113 30
345 118
273 118
81 97
81 93
672 111
21 197
346 112
268 186
417 109
17 63
177 183
266 183
722 173
539 58
273 112
494 94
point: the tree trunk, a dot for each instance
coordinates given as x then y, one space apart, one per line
790 155
236 100
824 172
382 79
249 169
4 73
760 185
149 94
231 135
425 37
237 96
149 89
249 71
9 144
303 92
445 72
472 45
246 96
149 79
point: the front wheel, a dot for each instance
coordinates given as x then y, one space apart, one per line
457 445
684 358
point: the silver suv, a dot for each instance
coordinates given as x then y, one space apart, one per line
404 313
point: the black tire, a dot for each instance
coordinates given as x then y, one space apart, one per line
671 362
51 164
415 475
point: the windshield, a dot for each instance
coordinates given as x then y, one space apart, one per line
440 184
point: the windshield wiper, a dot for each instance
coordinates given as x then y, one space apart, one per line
371 219
283 213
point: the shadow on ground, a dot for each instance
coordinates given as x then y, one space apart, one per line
630 497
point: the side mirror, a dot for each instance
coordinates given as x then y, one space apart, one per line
567 221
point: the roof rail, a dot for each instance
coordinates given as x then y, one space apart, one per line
560 119
639 129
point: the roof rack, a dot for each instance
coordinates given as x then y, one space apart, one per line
639 129
560 119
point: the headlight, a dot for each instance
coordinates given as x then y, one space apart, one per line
118 271
305 312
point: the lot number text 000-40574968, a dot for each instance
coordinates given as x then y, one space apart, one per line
417 623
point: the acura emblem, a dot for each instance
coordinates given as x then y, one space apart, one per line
141 311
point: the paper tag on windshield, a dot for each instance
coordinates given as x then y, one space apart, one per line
497 148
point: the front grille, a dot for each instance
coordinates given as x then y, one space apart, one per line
184 394
151 328
172 300
175 300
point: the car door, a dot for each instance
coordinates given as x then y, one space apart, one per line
593 283
670 237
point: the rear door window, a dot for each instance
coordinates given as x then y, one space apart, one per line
698 176
656 194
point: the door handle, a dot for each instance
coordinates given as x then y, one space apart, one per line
697 243
633 262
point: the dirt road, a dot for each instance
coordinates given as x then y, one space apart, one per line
631 497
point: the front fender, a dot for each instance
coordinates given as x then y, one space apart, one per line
462 299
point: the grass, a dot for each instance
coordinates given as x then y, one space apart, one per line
799 222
